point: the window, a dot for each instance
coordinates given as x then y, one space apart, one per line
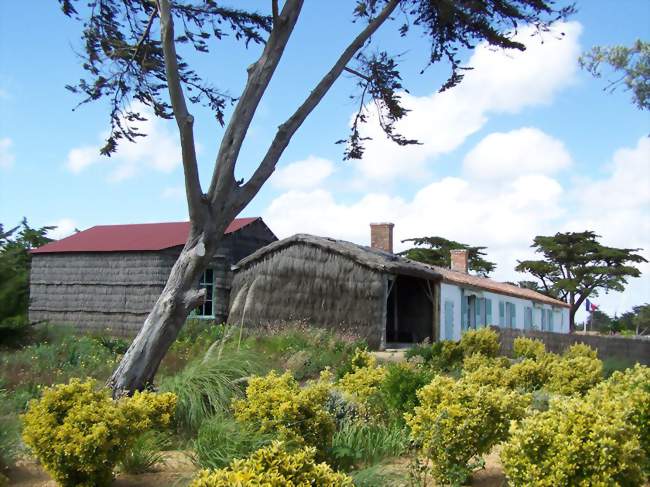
207 282
528 318
511 315
488 312
449 320
550 320
502 314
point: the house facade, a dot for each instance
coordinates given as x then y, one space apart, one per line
377 295
109 277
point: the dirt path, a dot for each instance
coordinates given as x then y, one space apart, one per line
176 471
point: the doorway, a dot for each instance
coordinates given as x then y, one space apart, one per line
409 317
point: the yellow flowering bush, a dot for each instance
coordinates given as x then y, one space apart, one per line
277 403
528 375
274 466
79 433
363 384
573 374
528 348
483 340
580 350
459 421
575 442
482 370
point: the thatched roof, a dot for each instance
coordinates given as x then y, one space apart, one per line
374 259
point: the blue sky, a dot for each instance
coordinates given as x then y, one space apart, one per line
529 144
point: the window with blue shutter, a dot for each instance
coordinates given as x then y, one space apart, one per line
550 320
528 318
488 312
449 320
502 314
464 322
544 324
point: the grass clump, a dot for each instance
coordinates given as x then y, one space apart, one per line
146 452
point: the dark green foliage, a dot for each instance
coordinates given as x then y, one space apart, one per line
443 356
362 444
9 433
437 251
631 67
146 452
14 278
221 439
400 386
576 266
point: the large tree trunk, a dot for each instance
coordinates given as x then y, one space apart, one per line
572 313
179 297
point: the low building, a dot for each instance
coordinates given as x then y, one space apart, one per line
380 296
109 276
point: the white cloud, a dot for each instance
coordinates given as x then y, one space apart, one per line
500 82
64 228
522 151
159 150
304 174
7 157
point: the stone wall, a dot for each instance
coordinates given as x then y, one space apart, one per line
629 349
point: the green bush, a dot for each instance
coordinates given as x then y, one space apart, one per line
575 442
207 386
277 404
528 375
274 466
573 374
400 385
221 440
9 434
363 383
363 444
523 347
580 350
145 452
482 370
459 421
79 433
442 356
483 340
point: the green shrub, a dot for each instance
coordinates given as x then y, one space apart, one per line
528 375
145 452
423 350
79 433
573 374
221 440
400 385
575 442
9 434
343 408
207 386
459 421
483 340
274 466
364 382
442 356
580 350
523 347
277 404
482 370
366 444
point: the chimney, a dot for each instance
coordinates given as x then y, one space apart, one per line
459 260
381 236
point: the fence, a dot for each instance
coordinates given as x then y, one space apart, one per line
628 349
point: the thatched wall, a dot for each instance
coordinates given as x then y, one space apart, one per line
115 291
306 282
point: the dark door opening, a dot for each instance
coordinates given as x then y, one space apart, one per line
409 317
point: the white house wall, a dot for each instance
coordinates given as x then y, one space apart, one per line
453 293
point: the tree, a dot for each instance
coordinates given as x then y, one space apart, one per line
437 251
125 61
576 266
630 64
641 319
14 275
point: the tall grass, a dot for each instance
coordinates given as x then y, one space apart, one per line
221 439
146 452
206 386
358 444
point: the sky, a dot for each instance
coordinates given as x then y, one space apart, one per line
528 144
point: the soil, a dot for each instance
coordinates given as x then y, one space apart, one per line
177 470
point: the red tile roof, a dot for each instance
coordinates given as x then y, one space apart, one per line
125 238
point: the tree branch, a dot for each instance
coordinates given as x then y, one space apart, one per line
288 128
357 73
184 120
274 9
259 76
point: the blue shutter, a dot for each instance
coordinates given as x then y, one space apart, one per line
514 316
488 312
528 318
449 320
543 319
550 320
502 314
477 313
463 313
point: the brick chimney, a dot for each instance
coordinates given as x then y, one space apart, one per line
460 260
381 236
